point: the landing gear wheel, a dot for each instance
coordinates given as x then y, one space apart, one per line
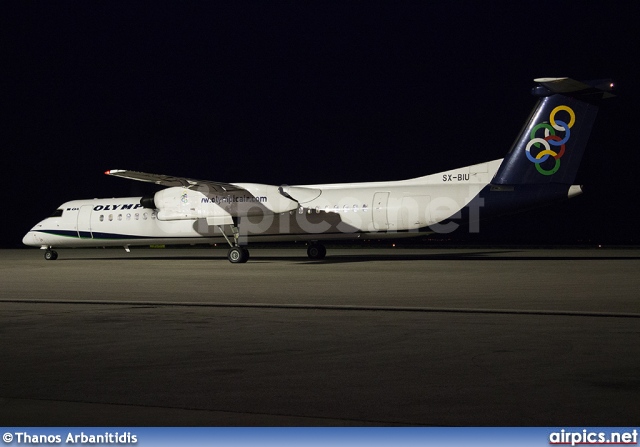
51 255
316 251
238 255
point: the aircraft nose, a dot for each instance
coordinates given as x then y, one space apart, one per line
29 239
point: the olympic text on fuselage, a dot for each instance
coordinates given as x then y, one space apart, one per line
126 206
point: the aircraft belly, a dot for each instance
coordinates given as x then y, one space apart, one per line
447 201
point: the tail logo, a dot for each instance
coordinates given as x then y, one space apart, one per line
550 139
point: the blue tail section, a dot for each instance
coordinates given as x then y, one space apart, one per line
551 144
543 162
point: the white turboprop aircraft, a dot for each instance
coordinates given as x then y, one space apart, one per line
539 169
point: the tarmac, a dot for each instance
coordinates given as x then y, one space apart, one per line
426 337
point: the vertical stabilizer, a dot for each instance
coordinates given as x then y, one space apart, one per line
551 144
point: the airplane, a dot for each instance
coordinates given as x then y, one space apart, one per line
539 169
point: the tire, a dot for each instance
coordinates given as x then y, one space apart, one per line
316 251
238 255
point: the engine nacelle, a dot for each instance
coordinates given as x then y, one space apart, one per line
267 196
178 203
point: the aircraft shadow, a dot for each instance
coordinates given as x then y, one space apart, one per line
338 259
488 256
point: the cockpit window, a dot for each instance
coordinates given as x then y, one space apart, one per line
57 213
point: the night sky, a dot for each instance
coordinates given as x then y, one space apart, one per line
308 92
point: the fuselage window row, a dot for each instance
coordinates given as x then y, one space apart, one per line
335 209
136 216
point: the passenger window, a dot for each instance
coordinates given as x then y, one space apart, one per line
144 216
317 210
137 216
119 216
364 208
101 217
355 208
110 217
335 209
345 208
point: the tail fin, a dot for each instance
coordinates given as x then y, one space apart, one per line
552 142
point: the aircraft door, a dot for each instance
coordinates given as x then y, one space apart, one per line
84 222
380 218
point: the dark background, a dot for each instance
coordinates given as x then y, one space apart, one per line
308 92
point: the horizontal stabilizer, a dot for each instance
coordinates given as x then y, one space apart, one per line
600 88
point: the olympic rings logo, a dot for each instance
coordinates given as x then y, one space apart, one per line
551 139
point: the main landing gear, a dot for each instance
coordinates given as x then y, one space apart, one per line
316 251
240 255
50 255
236 254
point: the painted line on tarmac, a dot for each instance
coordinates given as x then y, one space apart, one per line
566 313
271 418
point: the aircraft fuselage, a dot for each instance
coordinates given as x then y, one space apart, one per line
378 209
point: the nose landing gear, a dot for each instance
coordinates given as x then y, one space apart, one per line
50 255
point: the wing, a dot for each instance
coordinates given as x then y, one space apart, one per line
170 180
